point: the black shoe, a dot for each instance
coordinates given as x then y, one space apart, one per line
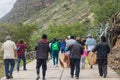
8 77
77 77
11 76
101 75
25 69
105 75
91 66
43 78
71 76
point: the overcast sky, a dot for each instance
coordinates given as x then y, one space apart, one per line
5 6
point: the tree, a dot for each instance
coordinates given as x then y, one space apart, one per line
19 31
104 9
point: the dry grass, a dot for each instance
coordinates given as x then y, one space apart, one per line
1 70
118 71
1 67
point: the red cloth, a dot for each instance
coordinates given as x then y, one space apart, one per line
43 40
22 49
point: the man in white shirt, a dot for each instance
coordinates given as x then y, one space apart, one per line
9 54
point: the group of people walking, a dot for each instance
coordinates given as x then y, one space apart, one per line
74 46
12 51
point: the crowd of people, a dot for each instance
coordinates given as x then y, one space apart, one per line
77 49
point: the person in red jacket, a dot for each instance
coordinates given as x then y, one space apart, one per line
21 46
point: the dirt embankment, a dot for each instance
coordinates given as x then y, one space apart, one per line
114 37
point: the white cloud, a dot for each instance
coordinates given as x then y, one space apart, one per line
6 6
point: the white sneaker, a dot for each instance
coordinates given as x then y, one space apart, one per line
56 65
38 77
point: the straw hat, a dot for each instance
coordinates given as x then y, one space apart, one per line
64 61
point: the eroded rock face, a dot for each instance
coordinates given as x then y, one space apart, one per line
114 37
23 9
114 58
114 30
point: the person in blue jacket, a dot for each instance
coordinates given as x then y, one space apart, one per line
63 45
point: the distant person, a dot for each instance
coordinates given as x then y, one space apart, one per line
50 47
82 41
63 45
9 54
70 41
90 43
42 50
102 49
76 50
83 57
21 46
55 48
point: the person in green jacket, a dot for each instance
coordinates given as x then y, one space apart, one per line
55 48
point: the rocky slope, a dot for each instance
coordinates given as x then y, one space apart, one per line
114 37
47 12
23 9
61 11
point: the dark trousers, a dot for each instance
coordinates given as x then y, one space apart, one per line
24 62
55 57
75 64
102 66
9 66
44 66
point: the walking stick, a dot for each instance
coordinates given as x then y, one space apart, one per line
86 61
61 74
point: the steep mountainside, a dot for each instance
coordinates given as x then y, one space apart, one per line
23 9
46 12
60 12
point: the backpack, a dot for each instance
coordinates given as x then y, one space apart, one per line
18 49
55 46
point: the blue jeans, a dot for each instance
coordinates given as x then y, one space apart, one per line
63 50
55 57
9 66
24 62
75 64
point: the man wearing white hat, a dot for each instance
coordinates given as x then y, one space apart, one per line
90 42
